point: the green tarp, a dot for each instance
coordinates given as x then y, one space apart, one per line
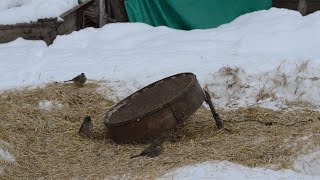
190 14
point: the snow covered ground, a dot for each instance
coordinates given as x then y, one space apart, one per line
307 167
6 154
227 170
309 163
267 57
25 11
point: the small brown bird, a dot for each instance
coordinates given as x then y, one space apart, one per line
154 150
79 80
86 127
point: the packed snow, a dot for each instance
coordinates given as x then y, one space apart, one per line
25 11
48 105
309 163
5 155
227 170
267 57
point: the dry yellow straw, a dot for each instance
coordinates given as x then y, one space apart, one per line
46 143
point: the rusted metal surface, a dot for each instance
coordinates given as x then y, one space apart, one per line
154 109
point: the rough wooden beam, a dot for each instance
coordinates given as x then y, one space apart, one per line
75 8
102 6
44 29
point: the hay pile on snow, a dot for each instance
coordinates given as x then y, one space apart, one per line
286 86
46 144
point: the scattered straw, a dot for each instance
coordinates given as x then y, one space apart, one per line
233 73
265 93
303 67
46 143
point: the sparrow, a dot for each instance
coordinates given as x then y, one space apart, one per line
154 150
79 80
86 127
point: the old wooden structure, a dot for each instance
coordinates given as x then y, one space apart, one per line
305 7
45 29
89 13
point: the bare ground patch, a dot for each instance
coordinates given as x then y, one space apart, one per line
46 143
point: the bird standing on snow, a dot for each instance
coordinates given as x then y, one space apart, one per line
79 80
155 149
86 126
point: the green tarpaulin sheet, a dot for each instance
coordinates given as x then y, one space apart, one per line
190 14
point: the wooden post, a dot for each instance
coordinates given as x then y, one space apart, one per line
215 115
102 6
302 8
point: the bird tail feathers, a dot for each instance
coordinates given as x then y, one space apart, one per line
134 156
